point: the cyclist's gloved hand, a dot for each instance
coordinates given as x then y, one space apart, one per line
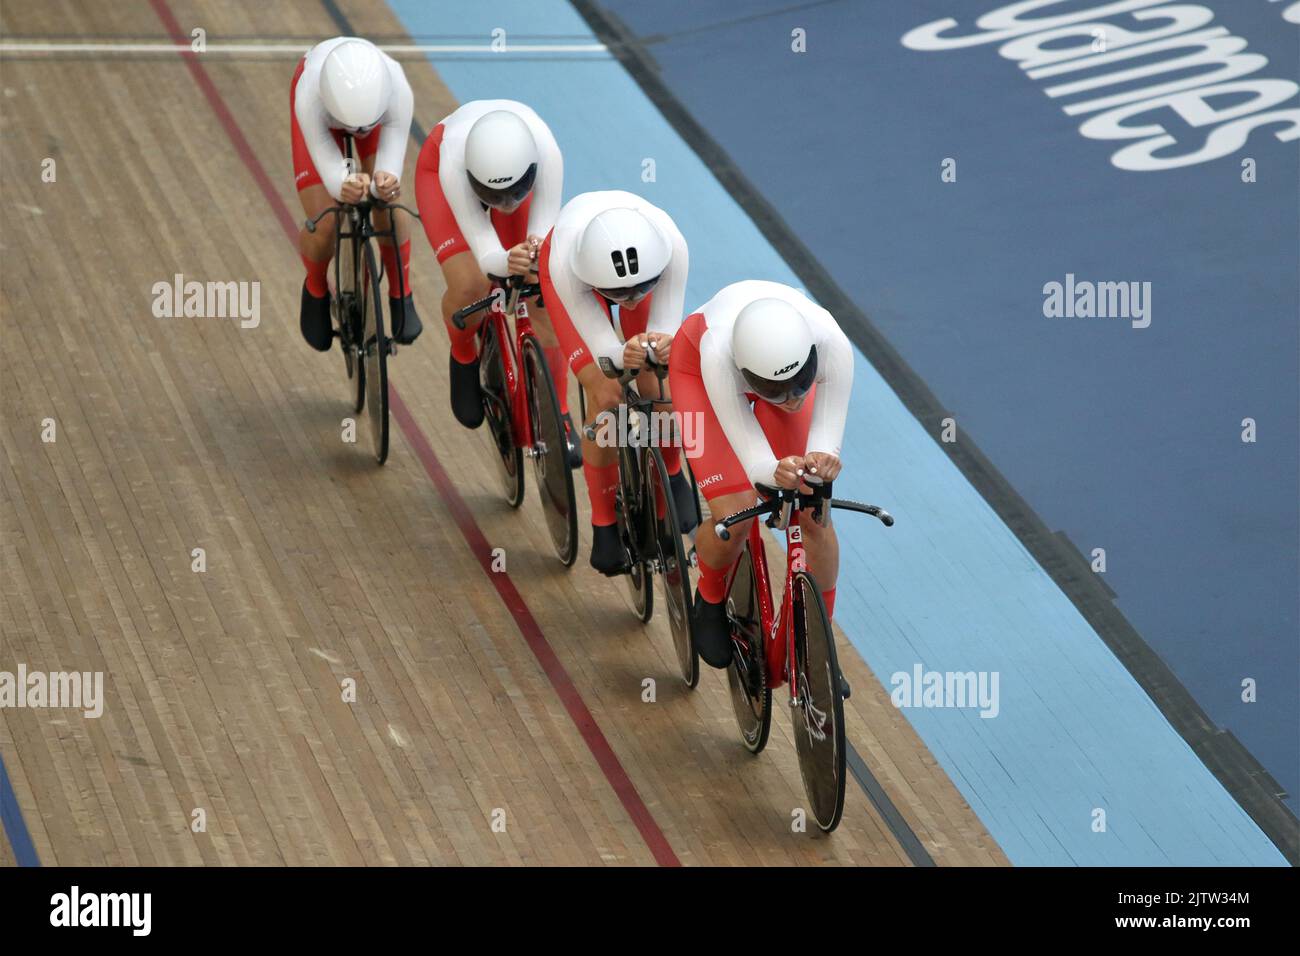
789 474
354 188
521 258
385 186
822 464
634 352
663 346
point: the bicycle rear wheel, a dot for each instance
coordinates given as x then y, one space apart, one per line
751 698
374 354
497 412
674 571
819 716
550 454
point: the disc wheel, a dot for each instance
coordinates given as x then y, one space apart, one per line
819 716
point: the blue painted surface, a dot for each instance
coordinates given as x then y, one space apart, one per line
12 823
950 587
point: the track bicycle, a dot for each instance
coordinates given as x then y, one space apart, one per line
521 409
356 312
647 514
793 644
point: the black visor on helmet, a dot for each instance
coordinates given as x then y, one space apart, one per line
622 295
513 194
780 392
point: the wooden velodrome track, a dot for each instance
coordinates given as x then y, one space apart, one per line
518 692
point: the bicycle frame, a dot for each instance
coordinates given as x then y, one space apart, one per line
520 419
777 625
785 511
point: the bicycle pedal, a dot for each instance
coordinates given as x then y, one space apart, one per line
693 559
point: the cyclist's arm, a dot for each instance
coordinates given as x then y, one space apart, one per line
666 307
474 222
573 302
548 190
834 383
325 153
396 130
725 388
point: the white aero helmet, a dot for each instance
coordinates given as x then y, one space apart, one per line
501 159
621 254
774 349
354 84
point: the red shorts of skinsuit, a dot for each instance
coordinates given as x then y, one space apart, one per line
304 170
437 218
715 466
631 321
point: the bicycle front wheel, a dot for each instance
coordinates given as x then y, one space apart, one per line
550 454
374 353
819 716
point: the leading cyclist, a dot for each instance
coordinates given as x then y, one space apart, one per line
768 373
348 85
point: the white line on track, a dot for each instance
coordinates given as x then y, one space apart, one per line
527 49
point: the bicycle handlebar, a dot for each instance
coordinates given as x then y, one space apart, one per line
781 501
365 204
518 290
626 375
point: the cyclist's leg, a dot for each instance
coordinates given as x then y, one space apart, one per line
404 321
315 248
600 466
787 433
466 284
725 486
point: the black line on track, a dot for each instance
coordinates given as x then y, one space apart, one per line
1235 767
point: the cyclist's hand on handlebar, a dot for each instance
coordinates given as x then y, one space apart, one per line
354 188
789 472
822 464
634 351
663 346
386 186
520 259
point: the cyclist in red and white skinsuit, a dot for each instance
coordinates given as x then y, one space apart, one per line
767 373
348 85
612 249
488 184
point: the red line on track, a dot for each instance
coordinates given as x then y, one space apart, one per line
532 633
